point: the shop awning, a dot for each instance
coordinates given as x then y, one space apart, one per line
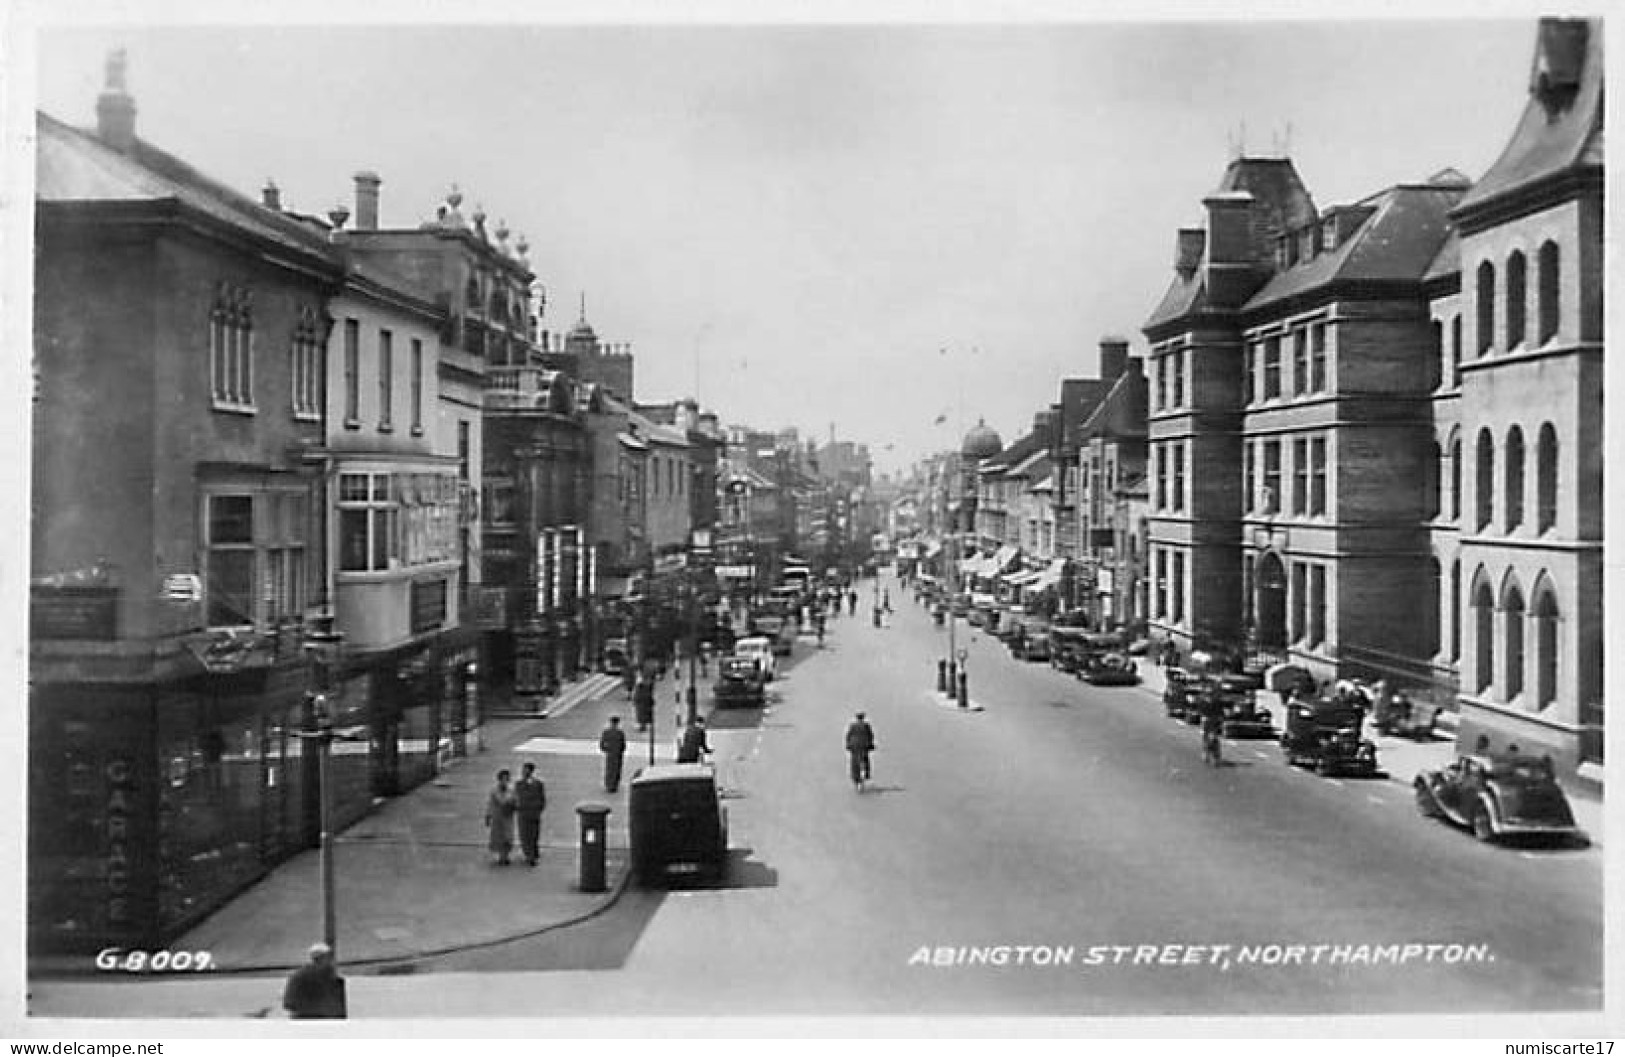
1049 577
1001 561
971 566
1017 579
932 549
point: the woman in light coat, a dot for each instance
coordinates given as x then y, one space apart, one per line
500 808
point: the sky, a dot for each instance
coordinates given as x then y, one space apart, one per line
866 227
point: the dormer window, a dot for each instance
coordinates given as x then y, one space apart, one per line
1328 234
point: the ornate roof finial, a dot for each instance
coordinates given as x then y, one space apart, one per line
454 197
583 306
502 231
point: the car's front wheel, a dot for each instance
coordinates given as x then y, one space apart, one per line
1482 828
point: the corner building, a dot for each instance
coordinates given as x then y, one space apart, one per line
1522 345
1376 430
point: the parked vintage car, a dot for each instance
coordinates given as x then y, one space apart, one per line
740 683
1067 648
1326 733
1181 694
1498 797
677 824
1237 694
1033 642
759 649
1110 669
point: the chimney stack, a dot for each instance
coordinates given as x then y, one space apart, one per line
115 109
366 201
271 196
1113 356
1188 251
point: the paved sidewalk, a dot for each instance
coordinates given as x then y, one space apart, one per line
414 878
1401 758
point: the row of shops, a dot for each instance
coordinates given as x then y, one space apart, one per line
167 797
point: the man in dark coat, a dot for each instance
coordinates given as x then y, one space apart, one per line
531 795
612 743
693 744
315 990
860 742
643 702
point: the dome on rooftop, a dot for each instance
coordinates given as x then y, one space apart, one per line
981 442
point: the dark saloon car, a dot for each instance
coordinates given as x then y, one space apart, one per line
1181 697
1237 694
678 826
1326 733
739 683
1110 669
1498 797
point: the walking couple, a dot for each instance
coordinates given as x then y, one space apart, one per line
520 803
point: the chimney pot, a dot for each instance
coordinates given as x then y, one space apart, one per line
115 109
272 196
366 200
1188 251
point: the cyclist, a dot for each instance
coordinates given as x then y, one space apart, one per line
1212 712
860 742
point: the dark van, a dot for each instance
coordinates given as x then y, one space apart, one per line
679 828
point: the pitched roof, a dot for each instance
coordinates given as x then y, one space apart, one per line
1079 398
1122 411
1562 125
1398 240
1183 297
75 166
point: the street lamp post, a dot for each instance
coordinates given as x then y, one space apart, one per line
322 644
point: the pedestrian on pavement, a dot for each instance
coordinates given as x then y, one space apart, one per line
886 600
612 743
693 744
851 603
530 796
315 991
643 703
500 807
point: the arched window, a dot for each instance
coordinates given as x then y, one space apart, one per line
1486 307
1430 630
1436 361
1512 607
1546 478
1484 636
1430 482
1545 616
1455 610
1514 478
1455 478
1455 350
1549 292
1517 298
1485 499
471 294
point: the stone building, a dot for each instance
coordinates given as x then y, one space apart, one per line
1517 558
1394 407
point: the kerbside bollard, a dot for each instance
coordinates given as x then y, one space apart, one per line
942 676
594 824
964 690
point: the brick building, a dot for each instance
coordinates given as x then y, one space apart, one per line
177 547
